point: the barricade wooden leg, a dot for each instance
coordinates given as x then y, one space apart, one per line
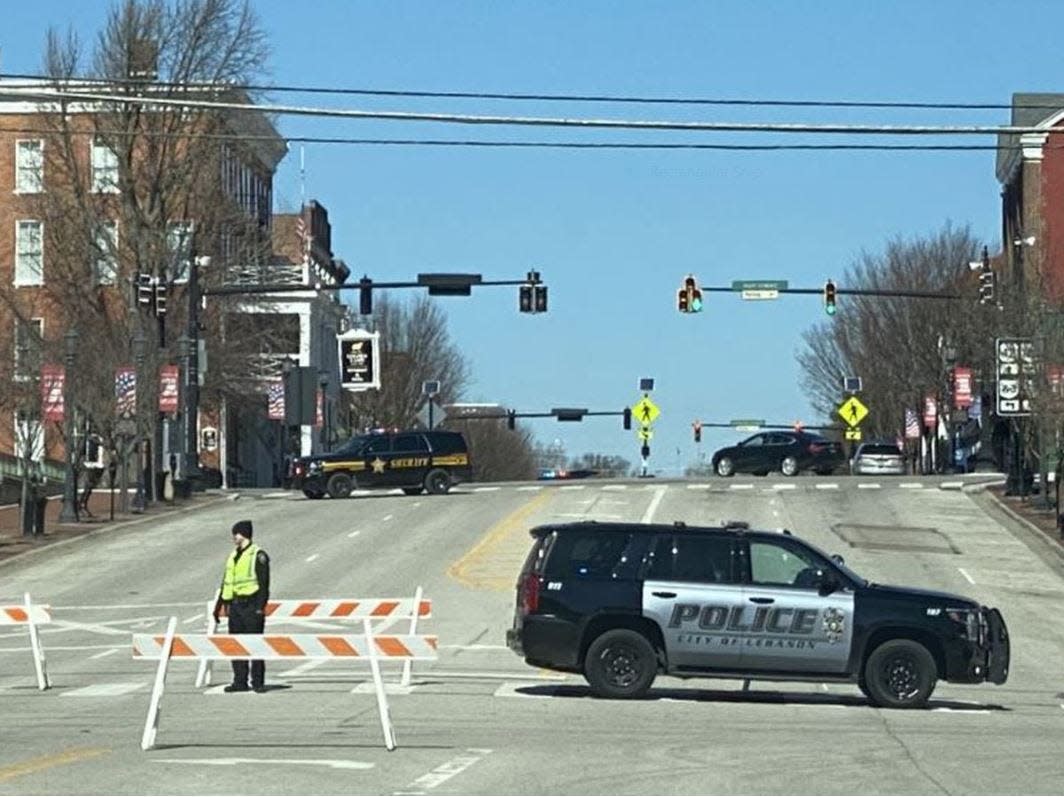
151 724
378 683
408 665
39 664
203 671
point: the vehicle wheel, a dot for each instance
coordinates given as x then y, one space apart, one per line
340 485
789 466
725 467
900 673
620 664
313 493
438 482
413 490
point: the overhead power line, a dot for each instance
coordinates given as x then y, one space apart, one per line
522 121
546 97
497 144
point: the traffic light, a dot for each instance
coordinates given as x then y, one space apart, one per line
539 298
682 302
365 296
511 420
829 297
160 299
987 281
627 417
524 299
144 288
697 426
689 297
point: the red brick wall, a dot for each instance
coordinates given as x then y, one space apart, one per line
1050 246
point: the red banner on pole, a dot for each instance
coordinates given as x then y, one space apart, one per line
930 413
962 387
168 388
53 378
275 400
319 415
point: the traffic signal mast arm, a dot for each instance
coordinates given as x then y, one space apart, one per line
241 290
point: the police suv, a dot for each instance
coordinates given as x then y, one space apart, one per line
622 602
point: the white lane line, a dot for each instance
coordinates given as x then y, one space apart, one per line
277 495
596 516
827 486
741 487
615 487
332 763
512 689
103 654
965 574
573 487
416 504
951 485
865 486
312 557
193 618
353 534
486 489
52 648
699 486
126 606
659 493
475 647
370 688
303 668
785 487
387 518
444 772
522 678
530 488
105 690
911 486
776 512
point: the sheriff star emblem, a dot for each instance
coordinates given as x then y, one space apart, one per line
377 465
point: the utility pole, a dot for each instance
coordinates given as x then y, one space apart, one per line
139 342
69 511
189 344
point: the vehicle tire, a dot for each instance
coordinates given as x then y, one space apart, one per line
314 494
725 467
438 482
620 664
789 466
413 490
340 485
900 673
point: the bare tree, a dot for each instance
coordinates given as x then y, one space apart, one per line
498 453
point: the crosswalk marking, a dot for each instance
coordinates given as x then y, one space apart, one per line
911 486
827 486
105 690
865 486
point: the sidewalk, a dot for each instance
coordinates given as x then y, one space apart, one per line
1029 509
12 543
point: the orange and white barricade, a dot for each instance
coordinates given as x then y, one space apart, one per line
31 616
377 610
367 646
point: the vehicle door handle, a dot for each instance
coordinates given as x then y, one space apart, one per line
762 600
663 594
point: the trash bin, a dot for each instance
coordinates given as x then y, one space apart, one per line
40 504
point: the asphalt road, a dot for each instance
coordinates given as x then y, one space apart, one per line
479 721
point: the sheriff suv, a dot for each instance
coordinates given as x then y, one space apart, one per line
622 602
415 461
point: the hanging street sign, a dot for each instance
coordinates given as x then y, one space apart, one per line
359 353
852 411
767 286
645 411
747 424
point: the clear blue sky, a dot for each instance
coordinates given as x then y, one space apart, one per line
614 232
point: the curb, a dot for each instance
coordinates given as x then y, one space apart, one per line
1049 546
125 524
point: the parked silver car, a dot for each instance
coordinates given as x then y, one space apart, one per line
878 459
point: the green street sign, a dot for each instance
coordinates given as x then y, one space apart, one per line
759 285
747 424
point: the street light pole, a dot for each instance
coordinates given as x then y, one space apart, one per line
69 511
139 343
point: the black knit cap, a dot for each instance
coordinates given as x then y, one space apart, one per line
243 528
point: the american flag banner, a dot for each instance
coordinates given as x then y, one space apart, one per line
912 424
125 391
275 400
52 378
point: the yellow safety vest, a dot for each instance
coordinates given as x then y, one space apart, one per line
240 579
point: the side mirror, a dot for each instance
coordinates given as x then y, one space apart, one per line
837 559
828 583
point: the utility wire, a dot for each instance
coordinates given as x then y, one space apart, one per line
542 97
524 121
489 144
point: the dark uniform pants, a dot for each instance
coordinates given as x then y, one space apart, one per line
243 619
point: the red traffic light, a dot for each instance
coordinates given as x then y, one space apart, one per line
697 426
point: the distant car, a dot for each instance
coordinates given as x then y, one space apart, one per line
883 458
788 452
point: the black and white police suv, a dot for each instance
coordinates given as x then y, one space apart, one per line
622 602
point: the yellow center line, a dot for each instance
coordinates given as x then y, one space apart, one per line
477 555
32 765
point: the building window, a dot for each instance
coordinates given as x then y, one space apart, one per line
105 253
29 339
29 166
179 249
104 169
29 253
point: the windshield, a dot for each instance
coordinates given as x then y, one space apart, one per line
353 445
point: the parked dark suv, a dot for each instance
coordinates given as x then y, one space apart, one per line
622 602
787 452
413 460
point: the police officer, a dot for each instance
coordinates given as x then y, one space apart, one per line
245 591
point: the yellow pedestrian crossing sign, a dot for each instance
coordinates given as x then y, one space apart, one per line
853 434
645 411
644 434
853 411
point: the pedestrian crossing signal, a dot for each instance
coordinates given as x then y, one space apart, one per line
627 417
829 297
689 298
